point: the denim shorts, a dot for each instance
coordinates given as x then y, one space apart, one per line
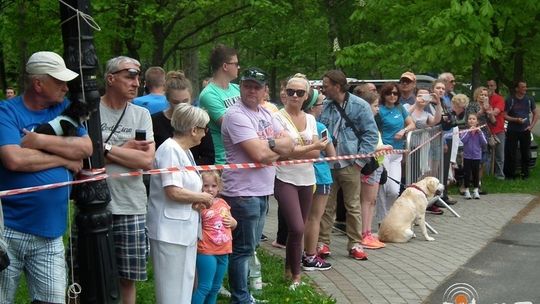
323 189
42 260
131 246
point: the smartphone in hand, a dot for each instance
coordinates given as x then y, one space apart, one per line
324 134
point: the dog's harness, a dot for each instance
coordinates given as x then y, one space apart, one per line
55 124
417 188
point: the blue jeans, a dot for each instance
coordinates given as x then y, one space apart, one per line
249 212
210 272
43 263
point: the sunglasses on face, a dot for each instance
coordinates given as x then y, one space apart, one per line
202 128
131 72
299 93
391 93
405 81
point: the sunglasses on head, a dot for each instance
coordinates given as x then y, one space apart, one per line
299 93
131 72
254 74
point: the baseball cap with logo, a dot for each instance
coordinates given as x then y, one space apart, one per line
41 63
254 74
408 75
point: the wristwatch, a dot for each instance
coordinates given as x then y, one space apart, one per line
106 149
272 144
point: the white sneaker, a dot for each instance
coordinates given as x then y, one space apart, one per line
467 194
475 194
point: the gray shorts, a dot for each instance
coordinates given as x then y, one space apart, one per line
373 178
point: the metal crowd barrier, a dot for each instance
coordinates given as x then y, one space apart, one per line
425 158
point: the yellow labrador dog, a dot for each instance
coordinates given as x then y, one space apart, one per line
408 209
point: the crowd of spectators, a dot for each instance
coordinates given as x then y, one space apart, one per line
196 226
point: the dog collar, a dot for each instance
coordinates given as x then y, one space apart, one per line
417 188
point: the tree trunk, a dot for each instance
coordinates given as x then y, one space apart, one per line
475 79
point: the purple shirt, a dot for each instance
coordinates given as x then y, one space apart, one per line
472 144
240 124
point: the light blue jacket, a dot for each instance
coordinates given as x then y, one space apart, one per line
359 112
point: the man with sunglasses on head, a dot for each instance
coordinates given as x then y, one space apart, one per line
123 153
250 135
220 93
36 221
346 173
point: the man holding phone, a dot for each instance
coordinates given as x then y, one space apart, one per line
128 146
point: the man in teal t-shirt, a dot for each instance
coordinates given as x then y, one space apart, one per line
220 94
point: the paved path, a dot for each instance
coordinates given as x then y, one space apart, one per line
409 273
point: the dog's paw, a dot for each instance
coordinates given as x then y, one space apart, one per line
428 238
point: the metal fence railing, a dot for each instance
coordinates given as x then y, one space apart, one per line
425 156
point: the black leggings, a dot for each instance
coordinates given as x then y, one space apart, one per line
294 202
471 167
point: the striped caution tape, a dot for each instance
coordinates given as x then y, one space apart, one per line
99 174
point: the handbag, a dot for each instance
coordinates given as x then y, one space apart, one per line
493 140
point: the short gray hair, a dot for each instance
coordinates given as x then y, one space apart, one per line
444 76
185 117
113 64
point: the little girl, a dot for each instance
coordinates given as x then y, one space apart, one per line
473 139
215 243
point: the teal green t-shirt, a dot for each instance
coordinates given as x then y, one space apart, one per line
215 100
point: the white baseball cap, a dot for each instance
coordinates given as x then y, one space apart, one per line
41 63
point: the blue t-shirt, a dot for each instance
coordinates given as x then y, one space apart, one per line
519 108
393 120
42 213
153 102
323 175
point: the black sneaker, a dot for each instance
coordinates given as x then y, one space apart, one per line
264 238
316 263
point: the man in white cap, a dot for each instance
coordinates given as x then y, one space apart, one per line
36 221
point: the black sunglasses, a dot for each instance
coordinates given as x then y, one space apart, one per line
131 72
391 93
299 93
254 74
202 128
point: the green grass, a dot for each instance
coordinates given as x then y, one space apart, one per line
493 185
275 286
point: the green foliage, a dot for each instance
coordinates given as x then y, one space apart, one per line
377 39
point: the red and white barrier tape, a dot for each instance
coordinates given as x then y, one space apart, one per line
98 174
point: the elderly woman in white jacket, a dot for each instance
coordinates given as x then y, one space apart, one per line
172 221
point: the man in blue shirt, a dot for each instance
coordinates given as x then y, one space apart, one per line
36 221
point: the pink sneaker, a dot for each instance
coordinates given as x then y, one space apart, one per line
323 250
358 253
370 242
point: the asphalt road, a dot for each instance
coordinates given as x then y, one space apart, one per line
507 270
